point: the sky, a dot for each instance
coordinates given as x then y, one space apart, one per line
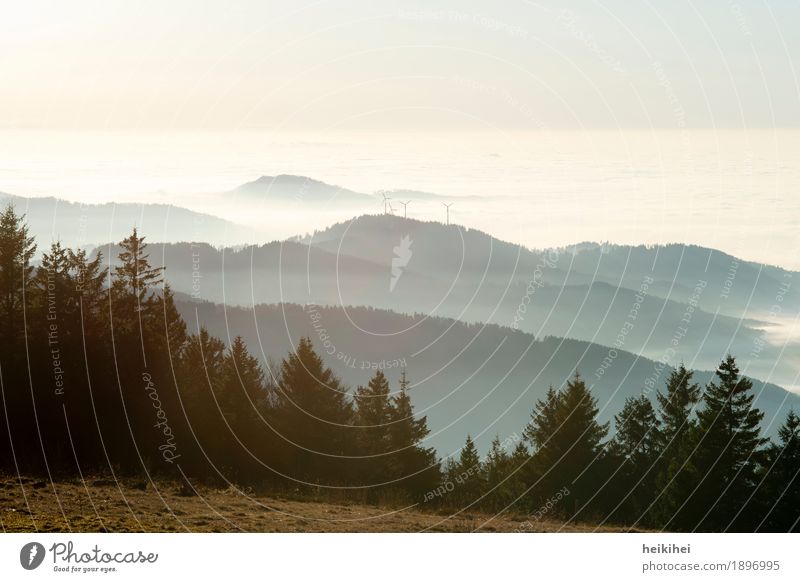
379 65
631 122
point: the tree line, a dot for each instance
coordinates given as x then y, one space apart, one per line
694 461
98 372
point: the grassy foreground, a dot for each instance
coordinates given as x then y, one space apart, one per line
103 505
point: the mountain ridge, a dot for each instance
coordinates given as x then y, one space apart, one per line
488 377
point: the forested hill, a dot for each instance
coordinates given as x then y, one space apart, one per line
715 302
467 378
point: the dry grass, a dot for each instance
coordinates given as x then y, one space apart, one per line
30 505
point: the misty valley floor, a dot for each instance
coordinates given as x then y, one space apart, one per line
34 505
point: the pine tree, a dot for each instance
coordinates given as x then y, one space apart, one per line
498 470
134 325
54 278
313 415
201 375
636 446
168 326
781 487
373 414
414 465
50 341
90 403
241 399
134 278
567 440
90 278
520 468
372 418
546 418
728 451
243 393
497 461
16 272
675 407
677 474
470 479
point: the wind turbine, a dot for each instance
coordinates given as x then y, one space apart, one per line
386 204
405 208
448 211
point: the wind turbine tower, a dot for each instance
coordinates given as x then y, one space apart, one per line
405 208
448 211
386 204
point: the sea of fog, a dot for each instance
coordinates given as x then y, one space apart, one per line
734 190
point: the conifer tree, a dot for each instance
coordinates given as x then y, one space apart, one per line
241 399
90 396
17 249
16 272
520 468
677 474
243 392
50 340
497 461
728 451
566 439
135 326
313 415
201 369
498 470
468 478
54 278
90 279
134 278
413 464
675 407
168 325
781 485
636 446
372 418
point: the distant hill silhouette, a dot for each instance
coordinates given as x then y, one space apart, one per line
304 190
585 292
86 225
300 190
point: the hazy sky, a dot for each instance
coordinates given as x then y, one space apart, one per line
377 64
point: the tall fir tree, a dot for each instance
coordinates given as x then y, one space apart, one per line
469 478
779 494
497 468
677 474
636 448
415 465
241 399
51 339
201 375
134 279
729 450
677 404
313 415
372 418
567 440
17 250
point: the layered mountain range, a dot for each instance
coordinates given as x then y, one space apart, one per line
482 326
